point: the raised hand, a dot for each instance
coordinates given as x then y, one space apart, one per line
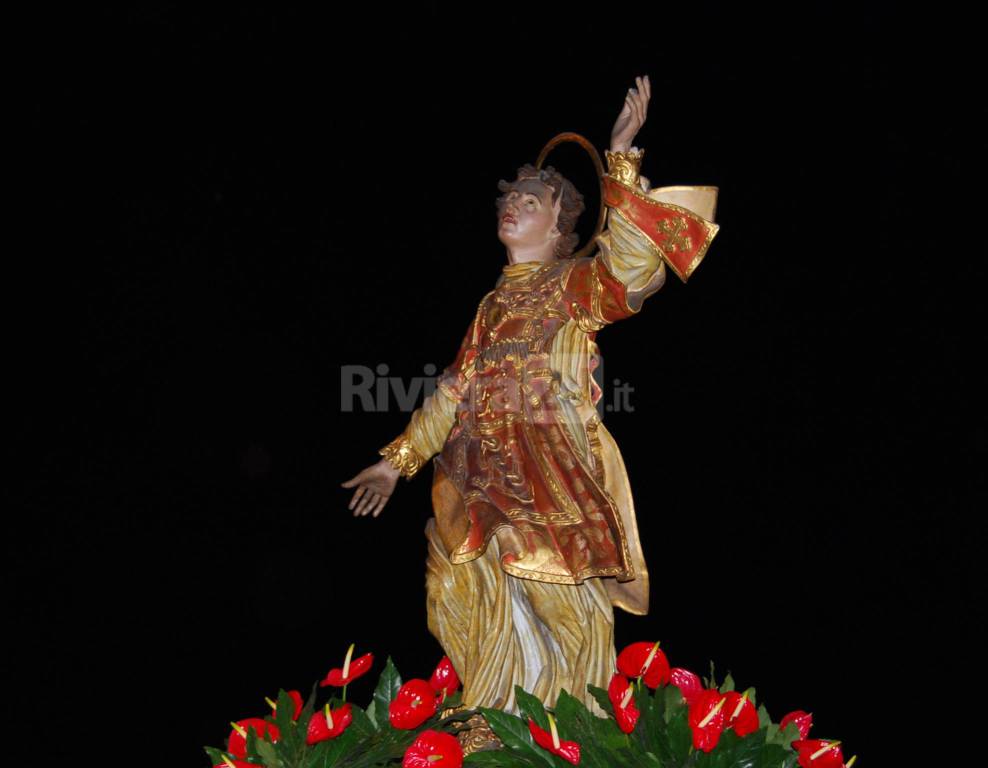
632 116
374 487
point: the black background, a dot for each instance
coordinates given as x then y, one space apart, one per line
233 202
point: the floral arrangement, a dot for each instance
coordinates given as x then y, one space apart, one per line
657 717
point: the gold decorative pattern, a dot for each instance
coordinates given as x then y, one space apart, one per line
476 736
402 456
673 230
595 448
624 166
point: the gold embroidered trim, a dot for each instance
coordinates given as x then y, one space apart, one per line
402 456
595 448
624 166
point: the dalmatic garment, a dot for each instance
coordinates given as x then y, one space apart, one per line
534 536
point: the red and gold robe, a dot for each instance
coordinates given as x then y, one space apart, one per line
520 449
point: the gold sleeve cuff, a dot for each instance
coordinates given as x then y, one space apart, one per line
402 456
625 166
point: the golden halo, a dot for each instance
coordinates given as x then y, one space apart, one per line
598 165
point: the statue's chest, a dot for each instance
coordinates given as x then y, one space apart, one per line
523 312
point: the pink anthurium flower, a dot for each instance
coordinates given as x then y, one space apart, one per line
646 661
296 698
350 671
819 753
328 724
237 743
550 741
444 680
741 713
433 749
687 682
803 721
707 719
621 692
414 703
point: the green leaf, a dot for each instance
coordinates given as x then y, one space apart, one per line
672 701
513 731
789 735
774 756
531 706
497 758
362 721
576 723
572 715
452 701
652 730
723 753
252 742
728 684
266 751
749 750
600 695
216 755
336 750
387 688
679 734
651 760
284 711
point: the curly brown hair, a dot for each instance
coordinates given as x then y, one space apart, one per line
569 210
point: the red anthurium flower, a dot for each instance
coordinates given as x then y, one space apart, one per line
707 719
741 713
414 703
622 695
433 749
237 745
550 741
444 679
819 753
328 724
687 682
802 720
644 660
351 670
296 698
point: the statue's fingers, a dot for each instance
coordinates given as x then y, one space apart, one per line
636 104
630 110
380 505
356 496
636 100
371 503
648 88
363 504
375 503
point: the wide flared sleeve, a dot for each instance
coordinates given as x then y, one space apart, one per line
430 424
625 270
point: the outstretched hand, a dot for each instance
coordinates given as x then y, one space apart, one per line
632 116
374 487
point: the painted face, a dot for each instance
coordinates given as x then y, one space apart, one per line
526 216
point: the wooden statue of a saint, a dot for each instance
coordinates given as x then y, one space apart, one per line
533 538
